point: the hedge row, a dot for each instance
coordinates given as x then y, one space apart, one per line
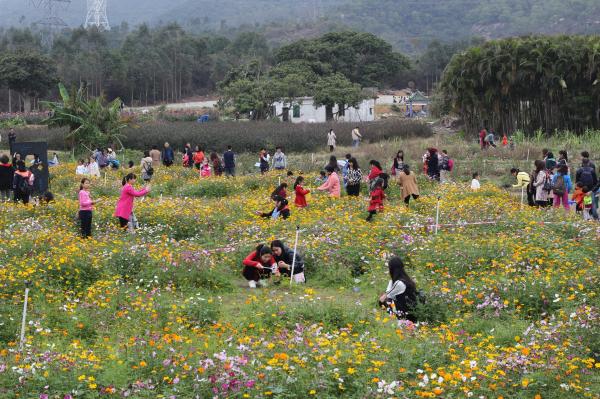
243 136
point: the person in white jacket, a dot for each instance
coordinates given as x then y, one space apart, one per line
331 140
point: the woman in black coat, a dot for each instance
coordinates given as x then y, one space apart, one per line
433 165
284 257
6 178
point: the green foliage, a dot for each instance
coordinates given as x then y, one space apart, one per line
27 72
362 58
530 83
245 137
90 122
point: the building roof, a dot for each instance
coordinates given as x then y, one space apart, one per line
418 97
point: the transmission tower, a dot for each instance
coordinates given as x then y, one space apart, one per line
96 15
52 23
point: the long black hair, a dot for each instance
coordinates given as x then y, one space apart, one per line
261 250
406 169
299 181
83 181
375 163
278 189
129 176
353 164
397 272
278 244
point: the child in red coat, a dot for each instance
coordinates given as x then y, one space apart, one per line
300 200
377 197
259 265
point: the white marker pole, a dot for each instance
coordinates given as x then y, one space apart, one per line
437 215
24 320
522 195
294 257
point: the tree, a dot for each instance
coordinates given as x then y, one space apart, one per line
91 123
362 58
334 90
27 72
529 83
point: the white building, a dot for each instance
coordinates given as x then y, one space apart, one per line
303 110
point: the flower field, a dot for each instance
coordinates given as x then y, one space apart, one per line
511 310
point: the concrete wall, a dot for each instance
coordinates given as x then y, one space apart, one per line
365 112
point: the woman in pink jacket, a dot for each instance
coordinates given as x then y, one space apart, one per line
125 203
332 185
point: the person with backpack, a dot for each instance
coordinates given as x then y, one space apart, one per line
400 298
549 159
155 155
408 183
376 202
22 183
284 256
259 265
586 175
124 208
446 165
374 173
541 184
561 186
301 193
7 174
229 162
147 168
584 155
86 206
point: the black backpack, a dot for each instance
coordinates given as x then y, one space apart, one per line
386 178
559 187
23 185
587 178
149 170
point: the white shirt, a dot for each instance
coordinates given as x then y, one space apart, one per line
475 184
395 289
93 169
81 170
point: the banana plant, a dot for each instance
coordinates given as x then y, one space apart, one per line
90 123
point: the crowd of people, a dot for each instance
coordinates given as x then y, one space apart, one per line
550 183
552 180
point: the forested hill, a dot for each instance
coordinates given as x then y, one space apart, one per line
408 24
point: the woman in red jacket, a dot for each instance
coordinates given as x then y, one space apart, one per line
377 197
374 174
300 200
259 265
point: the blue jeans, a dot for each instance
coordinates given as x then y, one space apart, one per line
355 143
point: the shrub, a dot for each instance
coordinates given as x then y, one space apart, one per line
244 136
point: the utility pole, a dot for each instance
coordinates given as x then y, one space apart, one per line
52 23
96 15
